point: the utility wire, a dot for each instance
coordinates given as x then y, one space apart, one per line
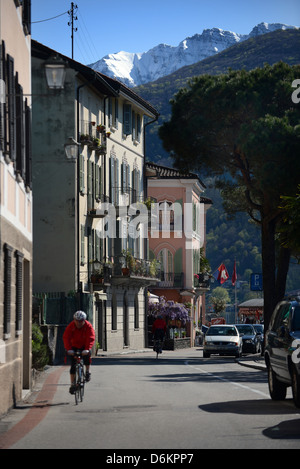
49 19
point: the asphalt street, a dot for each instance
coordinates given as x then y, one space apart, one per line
179 402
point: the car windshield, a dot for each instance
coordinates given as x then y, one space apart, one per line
296 318
259 328
217 330
248 330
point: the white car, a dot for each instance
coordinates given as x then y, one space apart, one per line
223 340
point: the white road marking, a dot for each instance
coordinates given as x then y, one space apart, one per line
224 380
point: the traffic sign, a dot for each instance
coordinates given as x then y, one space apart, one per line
256 282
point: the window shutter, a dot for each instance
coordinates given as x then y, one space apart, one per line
81 173
133 126
97 182
110 112
89 185
19 290
127 119
123 178
116 113
2 101
111 180
138 127
7 289
20 131
28 155
11 108
117 184
82 246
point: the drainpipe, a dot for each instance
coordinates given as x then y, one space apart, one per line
104 171
78 199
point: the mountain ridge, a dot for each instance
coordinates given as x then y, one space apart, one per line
134 69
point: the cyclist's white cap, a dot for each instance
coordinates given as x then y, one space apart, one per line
80 316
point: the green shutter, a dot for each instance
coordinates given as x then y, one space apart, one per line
81 173
127 119
178 261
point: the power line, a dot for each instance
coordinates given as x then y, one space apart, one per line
49 19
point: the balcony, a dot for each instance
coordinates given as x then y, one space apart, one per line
201 282
132 271
94 136
171 280
138 272
98 212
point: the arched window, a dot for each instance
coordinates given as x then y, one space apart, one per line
167 265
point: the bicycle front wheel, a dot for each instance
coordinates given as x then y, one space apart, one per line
82 382
78 384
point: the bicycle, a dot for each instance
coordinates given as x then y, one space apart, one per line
157 347
80 379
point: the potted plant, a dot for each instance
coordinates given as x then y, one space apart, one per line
154 267
100 128
129 260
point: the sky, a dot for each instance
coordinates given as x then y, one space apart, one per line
138 25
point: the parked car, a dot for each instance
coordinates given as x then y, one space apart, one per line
251 341
282 353
260 331
223 340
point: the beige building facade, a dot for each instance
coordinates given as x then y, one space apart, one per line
15 202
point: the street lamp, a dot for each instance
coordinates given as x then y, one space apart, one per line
55 70
71 148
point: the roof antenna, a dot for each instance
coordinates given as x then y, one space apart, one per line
73 18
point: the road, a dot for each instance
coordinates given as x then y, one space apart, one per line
180 401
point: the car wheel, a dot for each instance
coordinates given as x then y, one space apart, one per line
276 388
296 387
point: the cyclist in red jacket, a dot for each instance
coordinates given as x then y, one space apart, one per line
79 335
159 328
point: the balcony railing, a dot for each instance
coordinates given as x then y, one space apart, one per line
139 271
202 281
171 280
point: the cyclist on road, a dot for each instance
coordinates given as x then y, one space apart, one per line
79 336
159 329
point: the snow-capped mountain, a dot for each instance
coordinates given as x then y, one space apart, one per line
134 69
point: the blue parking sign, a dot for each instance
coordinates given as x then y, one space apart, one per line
256 282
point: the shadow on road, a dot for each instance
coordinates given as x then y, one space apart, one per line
288 430
251 407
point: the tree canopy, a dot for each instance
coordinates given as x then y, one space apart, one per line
244 128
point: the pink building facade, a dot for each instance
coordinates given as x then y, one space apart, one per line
177 237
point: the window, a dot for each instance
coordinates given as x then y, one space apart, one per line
136 127
136 185
113 113
166 260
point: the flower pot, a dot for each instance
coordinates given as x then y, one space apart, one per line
125 271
